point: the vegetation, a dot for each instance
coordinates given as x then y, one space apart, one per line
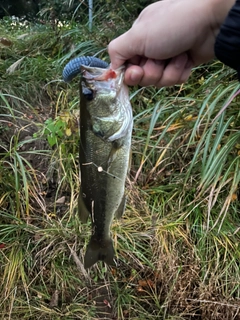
178 242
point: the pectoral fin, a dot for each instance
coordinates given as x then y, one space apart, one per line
82 210
121 208
116 145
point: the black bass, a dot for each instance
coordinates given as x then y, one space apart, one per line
105 140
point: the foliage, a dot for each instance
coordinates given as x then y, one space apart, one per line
55 129
70 9
178 242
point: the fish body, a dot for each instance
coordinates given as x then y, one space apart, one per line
105 140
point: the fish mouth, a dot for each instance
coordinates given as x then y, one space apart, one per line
103 79
106 85
95 71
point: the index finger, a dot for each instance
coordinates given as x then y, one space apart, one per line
122 49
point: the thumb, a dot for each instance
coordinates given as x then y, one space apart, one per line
122 49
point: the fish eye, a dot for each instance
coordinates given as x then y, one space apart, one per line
88 93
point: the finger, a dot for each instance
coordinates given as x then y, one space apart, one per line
148 73
133 75
176 72
134 71
185 75
121 49
153 71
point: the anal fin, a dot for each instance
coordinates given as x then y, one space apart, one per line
121 208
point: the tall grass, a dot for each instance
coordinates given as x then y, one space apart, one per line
178 241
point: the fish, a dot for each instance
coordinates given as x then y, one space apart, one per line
106 123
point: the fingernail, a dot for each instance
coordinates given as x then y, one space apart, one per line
135 76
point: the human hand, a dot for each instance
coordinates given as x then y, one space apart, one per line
167 40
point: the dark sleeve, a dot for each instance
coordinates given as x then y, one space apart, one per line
227 45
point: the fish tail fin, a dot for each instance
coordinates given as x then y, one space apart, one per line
99 251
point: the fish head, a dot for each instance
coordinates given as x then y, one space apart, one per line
101 85
104 102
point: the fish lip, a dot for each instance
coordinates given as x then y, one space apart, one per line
89 68
92 73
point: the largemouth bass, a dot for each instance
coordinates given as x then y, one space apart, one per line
105 139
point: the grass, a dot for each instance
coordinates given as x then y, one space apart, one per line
178 241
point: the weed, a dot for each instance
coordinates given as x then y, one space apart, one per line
178 241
